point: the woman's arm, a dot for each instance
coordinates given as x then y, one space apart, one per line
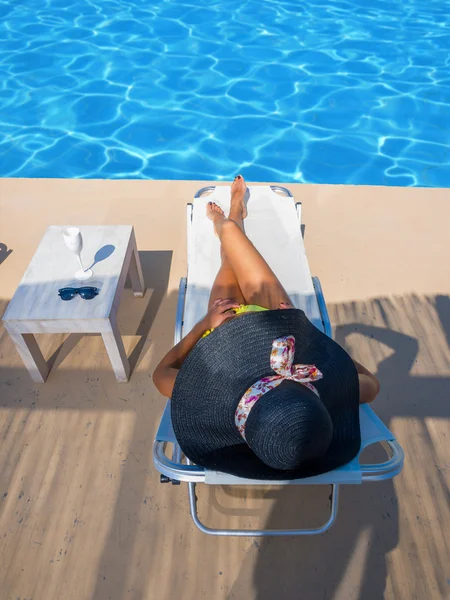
167 370
369 386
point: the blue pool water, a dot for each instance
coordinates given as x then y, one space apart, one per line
325 91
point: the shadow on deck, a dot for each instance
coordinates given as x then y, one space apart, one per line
81 507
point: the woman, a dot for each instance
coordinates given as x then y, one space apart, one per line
247 302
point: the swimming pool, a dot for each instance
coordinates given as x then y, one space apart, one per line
326 91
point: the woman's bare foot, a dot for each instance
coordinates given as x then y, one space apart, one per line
238 192
214 212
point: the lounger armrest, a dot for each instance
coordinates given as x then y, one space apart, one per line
172 467
322 307
175 470
390 468
374 431
165 431
178 333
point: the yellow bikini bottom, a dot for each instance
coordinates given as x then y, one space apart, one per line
243 308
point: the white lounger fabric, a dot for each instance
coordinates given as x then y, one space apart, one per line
273 227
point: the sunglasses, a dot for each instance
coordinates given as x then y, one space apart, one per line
87 293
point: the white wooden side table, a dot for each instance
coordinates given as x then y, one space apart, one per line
111 252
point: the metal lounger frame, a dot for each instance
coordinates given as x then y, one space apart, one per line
179 469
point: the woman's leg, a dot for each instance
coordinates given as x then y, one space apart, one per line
225 284
256 280
369 386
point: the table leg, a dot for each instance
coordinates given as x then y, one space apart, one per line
116 352
135 272
31 355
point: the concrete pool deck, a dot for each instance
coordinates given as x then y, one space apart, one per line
82 513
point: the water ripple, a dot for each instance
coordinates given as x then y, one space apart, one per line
324 92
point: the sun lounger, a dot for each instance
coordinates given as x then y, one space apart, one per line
274 226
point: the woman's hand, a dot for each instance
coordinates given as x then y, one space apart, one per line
167 370
219 312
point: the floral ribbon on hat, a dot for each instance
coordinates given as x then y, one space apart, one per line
281 361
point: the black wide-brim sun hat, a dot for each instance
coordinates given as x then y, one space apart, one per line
222 366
